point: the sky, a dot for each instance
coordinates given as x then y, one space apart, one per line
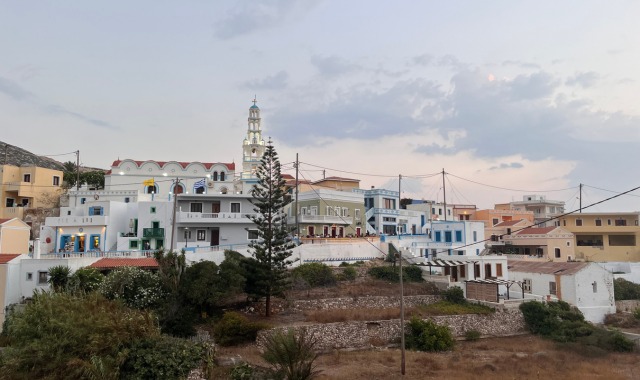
507 98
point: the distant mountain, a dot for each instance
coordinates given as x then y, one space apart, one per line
13 155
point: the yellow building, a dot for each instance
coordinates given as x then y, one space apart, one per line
14 236
24 187
600 236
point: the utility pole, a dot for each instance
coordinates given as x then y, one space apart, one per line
580 198
296 204
402 360
173 218
77 170
444 195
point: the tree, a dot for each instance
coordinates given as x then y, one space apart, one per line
94 178
59 277
272 248
135 287
69 174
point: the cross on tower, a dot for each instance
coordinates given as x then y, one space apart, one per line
254 100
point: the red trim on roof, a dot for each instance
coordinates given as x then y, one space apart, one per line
4 220
162 164
508 223
144 262
6 257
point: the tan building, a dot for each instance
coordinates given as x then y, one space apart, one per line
601 236
28 187
14 236
491 217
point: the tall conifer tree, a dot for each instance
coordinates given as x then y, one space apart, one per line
272 248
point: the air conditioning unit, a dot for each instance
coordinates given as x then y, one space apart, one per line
210 184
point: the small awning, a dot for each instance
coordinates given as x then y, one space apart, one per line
495 281
446 263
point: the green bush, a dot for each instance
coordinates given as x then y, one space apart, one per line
242 371
291 354
425 335
162 357
315 274
59 277
472 335
454 294
625 290
137 288
235 328
410 273
85 280
636 313
348 274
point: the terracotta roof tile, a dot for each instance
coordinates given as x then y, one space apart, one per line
4 220
536 231
144 262
508 223
6 257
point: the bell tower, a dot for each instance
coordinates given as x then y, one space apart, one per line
253 145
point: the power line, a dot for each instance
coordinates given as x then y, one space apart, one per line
369 174
505 188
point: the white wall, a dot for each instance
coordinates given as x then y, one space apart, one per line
34 266
595 304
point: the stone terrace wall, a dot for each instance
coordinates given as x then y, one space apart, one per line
369 302
365 334
627 306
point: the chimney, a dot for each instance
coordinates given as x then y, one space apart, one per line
36 249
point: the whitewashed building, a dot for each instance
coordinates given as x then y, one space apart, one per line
586 285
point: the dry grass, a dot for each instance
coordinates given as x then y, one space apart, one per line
362 288
521 357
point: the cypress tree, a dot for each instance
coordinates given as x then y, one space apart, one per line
273 247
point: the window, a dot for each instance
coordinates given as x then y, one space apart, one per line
578 222
303 211
608 222
215 176
461 253
328 211
552 287
152 210
221 176
235 207
252 234
598 222
557 253
621 222
26 178
439 211
201 235
56 180
151 189
345 211
448 211
495 221
127 199
29 276
458 236
314 210
498 270
357 213
196 207
526 285
43 278
187 234
595 287
95 211
133 244
438 236
389 203
10 202
337 210
83 201
433 210
475 235
447 236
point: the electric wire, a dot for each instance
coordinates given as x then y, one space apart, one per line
508 189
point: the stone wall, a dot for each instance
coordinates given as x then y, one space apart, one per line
627 306
365 334
369 302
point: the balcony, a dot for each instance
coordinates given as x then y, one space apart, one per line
13 212
153 232
213 218
321 219
24 189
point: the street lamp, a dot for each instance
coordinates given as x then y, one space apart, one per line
186 237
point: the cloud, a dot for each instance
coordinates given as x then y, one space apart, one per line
424 59
588 79
513 165
333 66
20 94
521 64
14 90
277 81
249 17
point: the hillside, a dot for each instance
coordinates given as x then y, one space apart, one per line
13 155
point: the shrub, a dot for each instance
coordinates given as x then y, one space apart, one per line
62 336
59 277
315 274
291 354
454 294
242 371
425 335
235 328
412 273
161 357
625 290
348 274
636 313
85 280
472 335
137 288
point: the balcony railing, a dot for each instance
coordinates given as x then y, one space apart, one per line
321 219
220 217
153 232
